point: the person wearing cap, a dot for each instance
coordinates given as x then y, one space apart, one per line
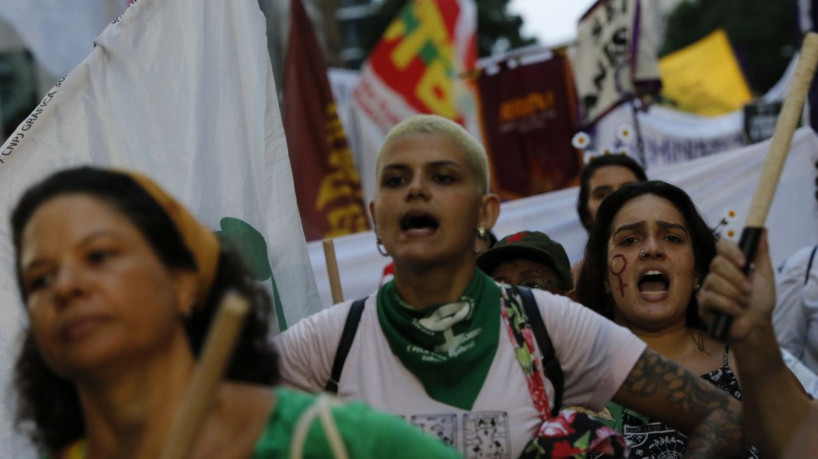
531 259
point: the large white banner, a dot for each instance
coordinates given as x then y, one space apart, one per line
718 184
60 33
672 136
181 90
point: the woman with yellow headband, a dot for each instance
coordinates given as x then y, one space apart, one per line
120 284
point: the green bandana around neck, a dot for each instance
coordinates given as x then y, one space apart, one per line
448 347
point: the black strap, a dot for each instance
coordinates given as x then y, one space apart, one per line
549 358
809 265
347 336
551 365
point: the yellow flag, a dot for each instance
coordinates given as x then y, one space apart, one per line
705 78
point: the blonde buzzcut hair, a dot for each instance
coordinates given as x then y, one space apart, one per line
436 124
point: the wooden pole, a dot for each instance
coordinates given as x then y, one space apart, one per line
332 271
771 172
216 353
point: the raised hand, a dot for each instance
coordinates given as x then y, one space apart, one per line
750 299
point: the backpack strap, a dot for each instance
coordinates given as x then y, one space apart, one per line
809 264
347 336
551 365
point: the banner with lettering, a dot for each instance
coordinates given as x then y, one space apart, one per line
717 184
417 67
615 55
672 136
328 189
529 115
181 90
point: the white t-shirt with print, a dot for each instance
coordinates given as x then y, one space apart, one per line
595 355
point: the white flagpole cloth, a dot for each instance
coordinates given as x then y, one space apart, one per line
60 33
181 90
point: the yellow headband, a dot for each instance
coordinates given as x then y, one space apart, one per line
199 239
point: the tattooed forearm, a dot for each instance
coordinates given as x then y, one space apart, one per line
661 389
653 372
710 436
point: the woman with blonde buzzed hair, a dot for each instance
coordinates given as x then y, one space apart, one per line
433 124
446 348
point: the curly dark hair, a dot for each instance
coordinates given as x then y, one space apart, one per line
49 409
591 283
596 163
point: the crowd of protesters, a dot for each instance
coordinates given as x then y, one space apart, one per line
473 349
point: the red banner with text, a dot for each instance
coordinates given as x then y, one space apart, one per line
529 114
327 185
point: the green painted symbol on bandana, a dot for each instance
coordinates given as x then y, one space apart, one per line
252 247
448 347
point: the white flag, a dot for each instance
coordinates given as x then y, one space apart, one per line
181 90
60 33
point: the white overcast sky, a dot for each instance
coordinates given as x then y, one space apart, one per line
553 22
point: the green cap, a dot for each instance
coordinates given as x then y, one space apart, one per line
534 246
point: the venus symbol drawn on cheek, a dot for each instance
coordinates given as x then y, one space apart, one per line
618 265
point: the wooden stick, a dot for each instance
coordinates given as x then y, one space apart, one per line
332 271
217 350
771 172
784 129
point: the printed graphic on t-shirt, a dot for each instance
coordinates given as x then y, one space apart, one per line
482 434
442 426
655 440
486 434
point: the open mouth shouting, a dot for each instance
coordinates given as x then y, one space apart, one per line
654 285
418 223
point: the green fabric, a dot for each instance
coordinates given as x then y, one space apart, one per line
451 362
617 421
366 433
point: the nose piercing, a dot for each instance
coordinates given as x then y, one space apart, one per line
643 254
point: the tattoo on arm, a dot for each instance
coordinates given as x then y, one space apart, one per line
653 371
718 430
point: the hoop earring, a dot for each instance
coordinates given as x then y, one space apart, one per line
483 235
381 248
